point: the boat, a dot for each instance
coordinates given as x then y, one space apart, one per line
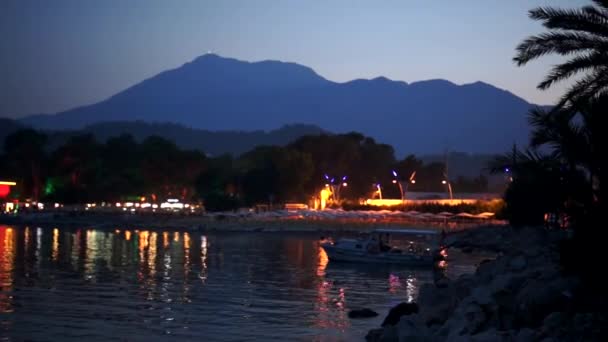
418 247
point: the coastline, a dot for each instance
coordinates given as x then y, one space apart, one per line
226 223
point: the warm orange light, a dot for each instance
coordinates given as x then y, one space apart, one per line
394 181
322 263
444 182
413 181
55 246
8 183
127 235
344 184
186 240
165 239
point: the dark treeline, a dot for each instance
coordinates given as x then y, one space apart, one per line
85 170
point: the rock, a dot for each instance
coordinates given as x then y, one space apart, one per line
474 317
467 249
554 324
442 282
411 330
437 314
402 309
390 334
482 295
525 335
374 335
538 298
438 304
362 313
490 335
518 263
462 286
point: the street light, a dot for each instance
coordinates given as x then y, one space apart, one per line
379 190
400 183
446 181
335 188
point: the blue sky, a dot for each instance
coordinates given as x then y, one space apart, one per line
56 55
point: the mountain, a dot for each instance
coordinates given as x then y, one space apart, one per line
217 93
210 142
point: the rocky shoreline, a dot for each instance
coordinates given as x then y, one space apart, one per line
522 295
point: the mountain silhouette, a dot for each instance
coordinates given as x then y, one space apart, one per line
217 93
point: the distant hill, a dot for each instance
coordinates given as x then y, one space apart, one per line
212 143
217 93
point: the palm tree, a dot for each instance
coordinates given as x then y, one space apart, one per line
573 135
580 34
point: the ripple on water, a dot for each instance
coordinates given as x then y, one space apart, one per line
83 284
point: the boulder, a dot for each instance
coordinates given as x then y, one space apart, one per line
374 335
518 263
410 330
402 309
474 318
525 335
362 313
467 249
490 335
537 299
554 324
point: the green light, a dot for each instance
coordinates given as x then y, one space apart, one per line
49 188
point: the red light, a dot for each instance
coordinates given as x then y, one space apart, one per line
4 190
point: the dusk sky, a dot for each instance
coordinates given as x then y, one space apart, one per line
56 55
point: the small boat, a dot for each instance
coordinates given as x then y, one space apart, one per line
419 247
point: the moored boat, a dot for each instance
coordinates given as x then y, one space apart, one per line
417 247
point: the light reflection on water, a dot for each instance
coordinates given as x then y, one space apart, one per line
74 284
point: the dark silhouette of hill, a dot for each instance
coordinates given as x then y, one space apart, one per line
217 93
212 143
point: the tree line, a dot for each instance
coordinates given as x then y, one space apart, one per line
83 169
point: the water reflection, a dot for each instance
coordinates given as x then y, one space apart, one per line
195 287
203 272
7 259
55 248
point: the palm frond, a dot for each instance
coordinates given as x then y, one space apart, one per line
563 43
602 3
588 20
591 86
518 160
574 66
598 12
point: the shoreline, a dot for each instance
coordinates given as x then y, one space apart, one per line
219 223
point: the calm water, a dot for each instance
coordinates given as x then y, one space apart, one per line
84 284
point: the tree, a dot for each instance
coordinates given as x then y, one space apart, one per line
122 174
536 186
580 34
26 159
573 135
77 167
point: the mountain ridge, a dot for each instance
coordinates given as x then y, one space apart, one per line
218 93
